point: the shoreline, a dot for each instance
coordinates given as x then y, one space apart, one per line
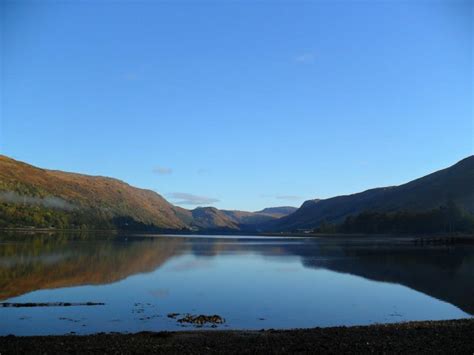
445 235
453 336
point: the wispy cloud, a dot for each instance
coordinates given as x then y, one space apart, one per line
184 198
48 201
305 58
162 170
288 197
283 197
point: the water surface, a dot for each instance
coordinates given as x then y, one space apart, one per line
253 282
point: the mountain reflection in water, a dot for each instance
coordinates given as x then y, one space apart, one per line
39 261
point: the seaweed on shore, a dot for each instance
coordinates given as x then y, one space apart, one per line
49 304
202 319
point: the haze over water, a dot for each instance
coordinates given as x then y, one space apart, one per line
252 282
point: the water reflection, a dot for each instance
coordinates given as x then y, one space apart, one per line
51 261
445 272
38 262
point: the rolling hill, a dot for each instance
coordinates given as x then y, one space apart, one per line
85 199
35 197
455 184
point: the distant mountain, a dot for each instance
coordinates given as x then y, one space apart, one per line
455 184
211 218
35 197
277 212
249 220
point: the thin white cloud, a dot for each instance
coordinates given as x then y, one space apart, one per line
184 198
283 197
288 197
305 58
48 201
161 170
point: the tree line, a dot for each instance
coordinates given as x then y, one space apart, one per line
448 218
24 216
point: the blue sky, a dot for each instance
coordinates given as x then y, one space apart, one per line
241 105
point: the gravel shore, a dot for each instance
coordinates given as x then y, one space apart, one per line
455 336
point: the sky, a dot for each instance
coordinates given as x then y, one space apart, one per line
239 104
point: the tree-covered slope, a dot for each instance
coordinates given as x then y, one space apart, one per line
44 198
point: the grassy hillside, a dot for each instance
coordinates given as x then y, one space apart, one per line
34 197
454 184
44 198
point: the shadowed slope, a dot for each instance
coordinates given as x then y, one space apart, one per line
452 184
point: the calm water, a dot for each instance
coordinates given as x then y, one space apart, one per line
252 282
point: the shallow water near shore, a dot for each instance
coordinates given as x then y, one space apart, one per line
251 282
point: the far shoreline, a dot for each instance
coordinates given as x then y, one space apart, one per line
441 236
